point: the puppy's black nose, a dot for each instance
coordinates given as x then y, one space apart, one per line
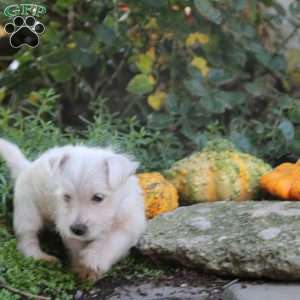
78 229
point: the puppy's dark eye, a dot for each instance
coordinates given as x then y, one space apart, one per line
98 198
67 197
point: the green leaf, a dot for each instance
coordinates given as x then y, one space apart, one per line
105 34
219 101
214 103
155 3
83 40
220 76
160 120
195 87
239 5
83 57
172 103
64 4
241 141
144 63
294 115
277 63
140 84
206 9
61 72
294 147
287 130
237 55
58 56
257 88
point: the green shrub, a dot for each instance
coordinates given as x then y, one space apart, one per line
184 76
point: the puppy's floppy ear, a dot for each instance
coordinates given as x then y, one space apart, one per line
119 168
57 163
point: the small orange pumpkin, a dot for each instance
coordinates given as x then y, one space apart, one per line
283 181
160 195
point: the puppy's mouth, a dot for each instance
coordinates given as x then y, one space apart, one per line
85 238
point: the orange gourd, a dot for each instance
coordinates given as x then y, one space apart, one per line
160 195
283 181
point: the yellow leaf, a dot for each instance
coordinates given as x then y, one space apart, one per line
157 100
293 59
196 38
144 62
33 97
169 35
201 64
71 45
151 79
153 37
293 65
152 24
2 93
151 53
175 7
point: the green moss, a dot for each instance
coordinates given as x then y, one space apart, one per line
137 267
35 277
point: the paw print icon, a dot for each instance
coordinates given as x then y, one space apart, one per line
24 31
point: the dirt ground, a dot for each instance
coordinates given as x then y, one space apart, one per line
173 283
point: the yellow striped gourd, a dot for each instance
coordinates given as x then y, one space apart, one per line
219 172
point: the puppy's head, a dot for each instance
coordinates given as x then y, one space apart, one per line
89 185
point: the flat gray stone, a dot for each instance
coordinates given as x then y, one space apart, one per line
151 292
252 239
266 291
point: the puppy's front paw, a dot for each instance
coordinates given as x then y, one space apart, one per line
50 259
85 273
88 275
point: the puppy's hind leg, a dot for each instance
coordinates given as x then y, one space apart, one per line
27 224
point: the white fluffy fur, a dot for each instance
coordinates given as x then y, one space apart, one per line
114 225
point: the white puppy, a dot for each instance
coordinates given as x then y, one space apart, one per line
92 197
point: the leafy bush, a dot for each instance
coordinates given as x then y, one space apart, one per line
212 75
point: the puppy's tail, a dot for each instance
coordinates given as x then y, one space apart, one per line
14 158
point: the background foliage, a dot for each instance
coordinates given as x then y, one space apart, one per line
185 70
128 74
